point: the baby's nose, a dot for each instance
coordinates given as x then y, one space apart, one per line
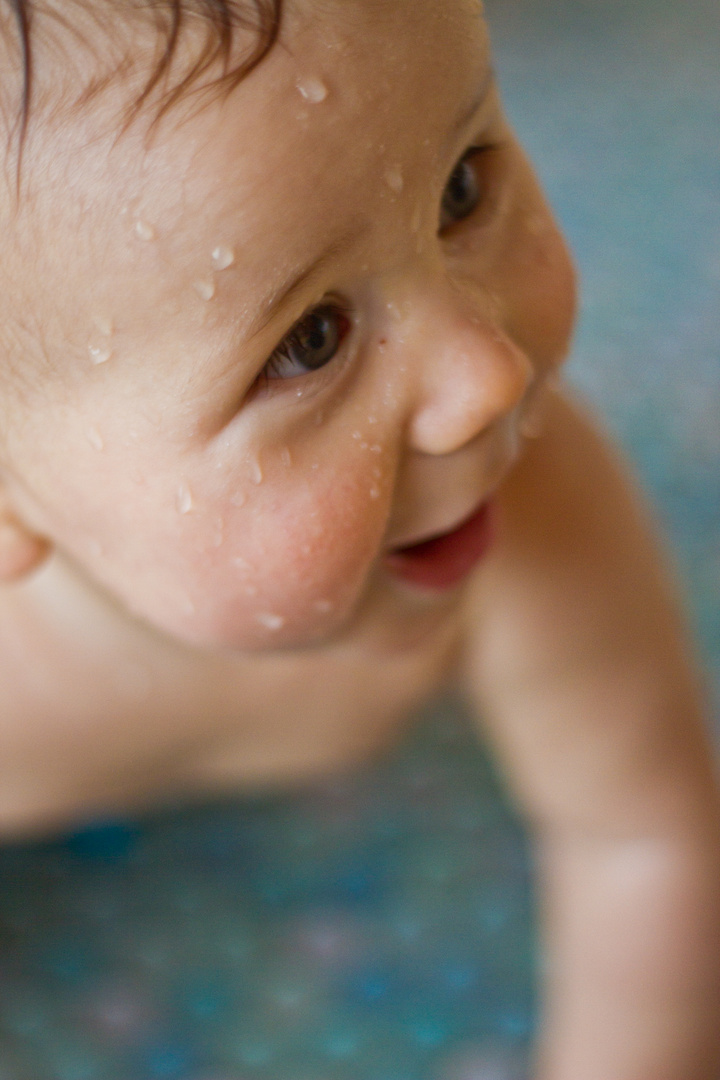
469 375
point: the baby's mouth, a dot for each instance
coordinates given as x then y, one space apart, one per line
442 562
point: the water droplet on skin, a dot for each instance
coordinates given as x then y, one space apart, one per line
374 493
357 435
256 472
251 590
239 498
394 179
204 289
312 90
222 257
376 448
95 439
144 231
270 621
242 564
99 354
416 219
324 607
184 499
319 419
372 419
188 606
286 457
103 326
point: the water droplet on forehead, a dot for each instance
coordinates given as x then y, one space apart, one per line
99 354
394 179
144 230
270 621
184 499
256 471
204 289
313 90
95 439
222 257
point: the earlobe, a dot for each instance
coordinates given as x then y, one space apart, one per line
21 550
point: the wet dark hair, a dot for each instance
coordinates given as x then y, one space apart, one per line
222 19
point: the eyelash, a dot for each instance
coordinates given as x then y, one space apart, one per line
340 315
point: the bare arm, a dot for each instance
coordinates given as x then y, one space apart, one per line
580 667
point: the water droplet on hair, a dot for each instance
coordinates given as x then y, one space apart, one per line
144 231
95 438
394 179
99 354
270 621
256 473
286 457
313 90
184 499
222 257
204 289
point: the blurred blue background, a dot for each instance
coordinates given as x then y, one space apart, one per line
380 927
618 104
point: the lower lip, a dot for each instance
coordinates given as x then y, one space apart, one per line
445 561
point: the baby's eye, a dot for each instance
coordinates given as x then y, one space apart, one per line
312 343
463 191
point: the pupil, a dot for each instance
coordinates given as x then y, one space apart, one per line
317 341
461 195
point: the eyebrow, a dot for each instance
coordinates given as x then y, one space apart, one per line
469 113
296 283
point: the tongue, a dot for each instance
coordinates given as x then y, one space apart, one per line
445 560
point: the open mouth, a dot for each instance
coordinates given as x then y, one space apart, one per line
443 561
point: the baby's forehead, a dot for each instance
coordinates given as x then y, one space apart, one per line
58 56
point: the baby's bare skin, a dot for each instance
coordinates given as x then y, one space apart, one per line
270 343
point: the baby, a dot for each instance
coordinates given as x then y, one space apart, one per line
283 450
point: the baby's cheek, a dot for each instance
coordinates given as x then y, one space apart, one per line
294 558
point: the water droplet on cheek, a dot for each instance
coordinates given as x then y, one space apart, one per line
312 90
394 179
99 354
270 621
204 289
222 257
184 499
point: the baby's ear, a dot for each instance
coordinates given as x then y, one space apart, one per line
21 550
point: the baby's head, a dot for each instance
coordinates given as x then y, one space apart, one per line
279 289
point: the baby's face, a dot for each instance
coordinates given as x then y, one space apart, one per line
301 328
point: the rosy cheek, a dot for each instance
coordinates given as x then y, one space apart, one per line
294 557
